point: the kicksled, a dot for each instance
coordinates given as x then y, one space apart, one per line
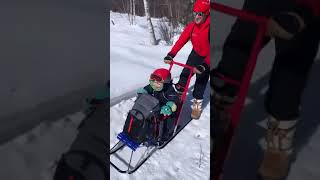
223 150
127 155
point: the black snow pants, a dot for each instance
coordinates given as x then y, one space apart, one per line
194 60
292 63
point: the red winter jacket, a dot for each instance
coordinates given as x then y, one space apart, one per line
314 5
199 35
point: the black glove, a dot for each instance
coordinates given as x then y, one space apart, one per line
201 68
285 25
168 59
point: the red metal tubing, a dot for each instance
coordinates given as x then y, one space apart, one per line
235 114
261 22
183 98
182 65
236 109
238 13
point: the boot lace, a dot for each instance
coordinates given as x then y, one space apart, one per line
279 139
197 104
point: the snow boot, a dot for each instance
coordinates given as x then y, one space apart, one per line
278 152
196 108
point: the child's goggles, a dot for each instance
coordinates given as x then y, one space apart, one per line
154 77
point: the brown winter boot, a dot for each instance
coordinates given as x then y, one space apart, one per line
276 161
196 108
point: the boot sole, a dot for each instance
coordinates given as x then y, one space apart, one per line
195 118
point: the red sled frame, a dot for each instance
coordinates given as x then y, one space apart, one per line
119 146
184 95
236 109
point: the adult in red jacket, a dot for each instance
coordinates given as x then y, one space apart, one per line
294 25
198 32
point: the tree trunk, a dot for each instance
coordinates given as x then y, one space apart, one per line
150 26
134 11
130 12
170 9
154 9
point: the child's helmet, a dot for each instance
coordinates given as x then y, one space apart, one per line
161 75
202 6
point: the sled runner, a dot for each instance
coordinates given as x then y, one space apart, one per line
222 151
142 130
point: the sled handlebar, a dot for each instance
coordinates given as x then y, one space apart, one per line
180 64
261 20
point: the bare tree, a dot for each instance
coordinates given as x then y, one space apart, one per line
130 12
134 11
150 26
170 9
166 30
178 11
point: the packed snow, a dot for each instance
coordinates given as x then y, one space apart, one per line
187 157
33 155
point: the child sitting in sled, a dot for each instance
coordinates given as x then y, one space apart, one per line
161 87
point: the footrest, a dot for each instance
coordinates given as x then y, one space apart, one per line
126 140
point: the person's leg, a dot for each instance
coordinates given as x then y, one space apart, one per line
200 84
236 52
170 125
288 79
167 128
238 44
199 88
192 61
195 60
